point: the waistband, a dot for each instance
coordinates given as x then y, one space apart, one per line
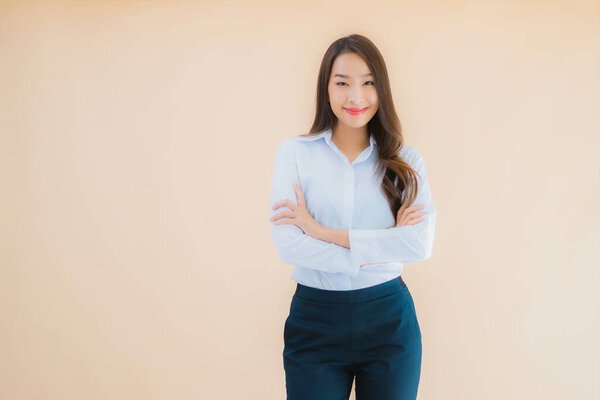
350 296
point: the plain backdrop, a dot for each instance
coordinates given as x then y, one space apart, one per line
137 141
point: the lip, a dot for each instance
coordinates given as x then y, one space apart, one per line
355 111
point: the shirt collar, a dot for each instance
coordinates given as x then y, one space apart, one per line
326 134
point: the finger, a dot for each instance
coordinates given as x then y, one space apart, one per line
413 209
287 202
285 214
299 193
401 209
277 204
415 220
284 222
405 207
408 215
416 213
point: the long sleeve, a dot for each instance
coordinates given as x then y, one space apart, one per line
292 244
402 244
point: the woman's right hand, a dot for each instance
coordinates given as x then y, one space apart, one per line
409 215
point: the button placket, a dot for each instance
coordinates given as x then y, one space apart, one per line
349 186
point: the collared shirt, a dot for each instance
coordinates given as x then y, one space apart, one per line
346 195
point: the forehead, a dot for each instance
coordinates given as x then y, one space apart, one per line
350 65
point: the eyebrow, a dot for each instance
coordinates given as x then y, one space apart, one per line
346 76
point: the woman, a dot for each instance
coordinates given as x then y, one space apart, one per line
350 204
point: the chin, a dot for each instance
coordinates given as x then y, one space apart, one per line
356 123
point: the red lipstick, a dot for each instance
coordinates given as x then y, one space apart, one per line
355 111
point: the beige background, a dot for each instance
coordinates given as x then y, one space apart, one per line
137 144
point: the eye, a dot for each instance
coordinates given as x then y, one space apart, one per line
344 83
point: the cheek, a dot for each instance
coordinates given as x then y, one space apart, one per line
336 106
375 105
337 110
373 98
332 92
336 97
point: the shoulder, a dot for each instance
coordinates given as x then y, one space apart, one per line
288 148
288 142
291 143
410 154
413 157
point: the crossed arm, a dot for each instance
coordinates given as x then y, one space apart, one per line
302 241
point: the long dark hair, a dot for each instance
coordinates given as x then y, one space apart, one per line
399 183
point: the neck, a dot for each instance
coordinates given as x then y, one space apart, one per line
349 138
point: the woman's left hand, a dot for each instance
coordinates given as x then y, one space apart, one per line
297 215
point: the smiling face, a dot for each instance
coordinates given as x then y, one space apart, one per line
352 92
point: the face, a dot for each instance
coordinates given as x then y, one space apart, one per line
350 88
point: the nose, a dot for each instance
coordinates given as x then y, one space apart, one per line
355 95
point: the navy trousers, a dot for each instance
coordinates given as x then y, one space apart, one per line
334 336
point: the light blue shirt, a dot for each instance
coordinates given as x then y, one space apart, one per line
344 195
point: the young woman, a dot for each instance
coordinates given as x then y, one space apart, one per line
350 204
